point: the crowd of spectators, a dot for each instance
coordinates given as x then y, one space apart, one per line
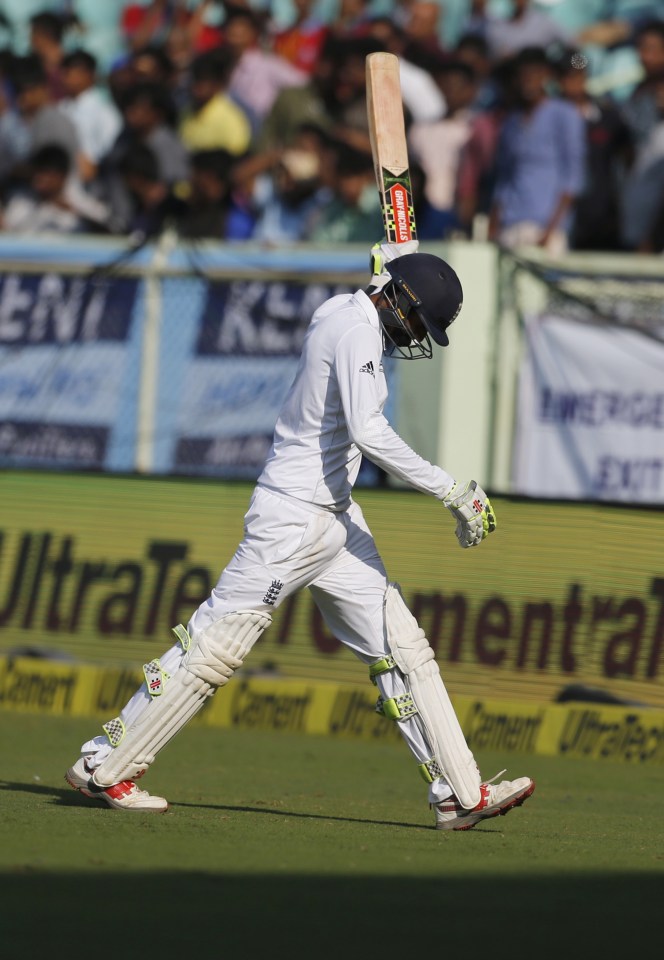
234 127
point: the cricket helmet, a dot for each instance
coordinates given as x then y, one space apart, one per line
424 285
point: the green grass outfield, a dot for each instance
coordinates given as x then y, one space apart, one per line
284 845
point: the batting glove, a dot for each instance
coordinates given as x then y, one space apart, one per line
473 511
382 253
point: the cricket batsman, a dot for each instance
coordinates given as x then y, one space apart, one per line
303 529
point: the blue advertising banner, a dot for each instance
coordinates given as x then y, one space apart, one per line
50 308
259 318
65 357
241 362
192 372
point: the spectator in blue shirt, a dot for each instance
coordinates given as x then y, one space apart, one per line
643 188
212 209
540 161
640 110
522 28
292 198
608 150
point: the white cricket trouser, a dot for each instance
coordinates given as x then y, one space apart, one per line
287 546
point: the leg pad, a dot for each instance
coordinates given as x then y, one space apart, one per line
415 658
209 663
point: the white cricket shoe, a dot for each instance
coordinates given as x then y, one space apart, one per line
122 796
495 799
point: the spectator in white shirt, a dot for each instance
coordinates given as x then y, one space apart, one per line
42 119
437 147
96 119
421 96
51 201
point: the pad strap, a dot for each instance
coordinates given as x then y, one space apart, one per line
381 666
155 677
209 663
430 770
182 636
397 708
447 745
114 730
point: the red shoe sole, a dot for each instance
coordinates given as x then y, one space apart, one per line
102 798
501 811
74 786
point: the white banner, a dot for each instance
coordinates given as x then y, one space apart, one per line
590 421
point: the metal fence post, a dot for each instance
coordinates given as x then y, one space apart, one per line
149 371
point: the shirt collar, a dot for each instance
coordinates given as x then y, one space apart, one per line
366 305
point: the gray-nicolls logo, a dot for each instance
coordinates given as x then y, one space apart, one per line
273 592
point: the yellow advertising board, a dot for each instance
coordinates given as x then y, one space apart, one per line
565 595
345 711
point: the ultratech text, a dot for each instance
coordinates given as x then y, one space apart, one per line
45 586
632 737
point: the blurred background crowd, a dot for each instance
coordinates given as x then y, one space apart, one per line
529 121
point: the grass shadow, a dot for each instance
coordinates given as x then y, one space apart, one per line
67 797
172 914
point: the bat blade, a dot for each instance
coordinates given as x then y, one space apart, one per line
387 132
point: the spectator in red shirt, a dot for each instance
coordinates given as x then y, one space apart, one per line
155 23
301 42
143 25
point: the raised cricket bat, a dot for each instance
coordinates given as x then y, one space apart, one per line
387 132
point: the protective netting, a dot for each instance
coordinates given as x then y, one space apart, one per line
586 398
615 292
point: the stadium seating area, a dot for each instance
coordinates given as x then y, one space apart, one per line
103 37
246 120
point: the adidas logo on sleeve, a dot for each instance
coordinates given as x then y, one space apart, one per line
368 368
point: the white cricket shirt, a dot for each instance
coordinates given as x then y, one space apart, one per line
333 414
